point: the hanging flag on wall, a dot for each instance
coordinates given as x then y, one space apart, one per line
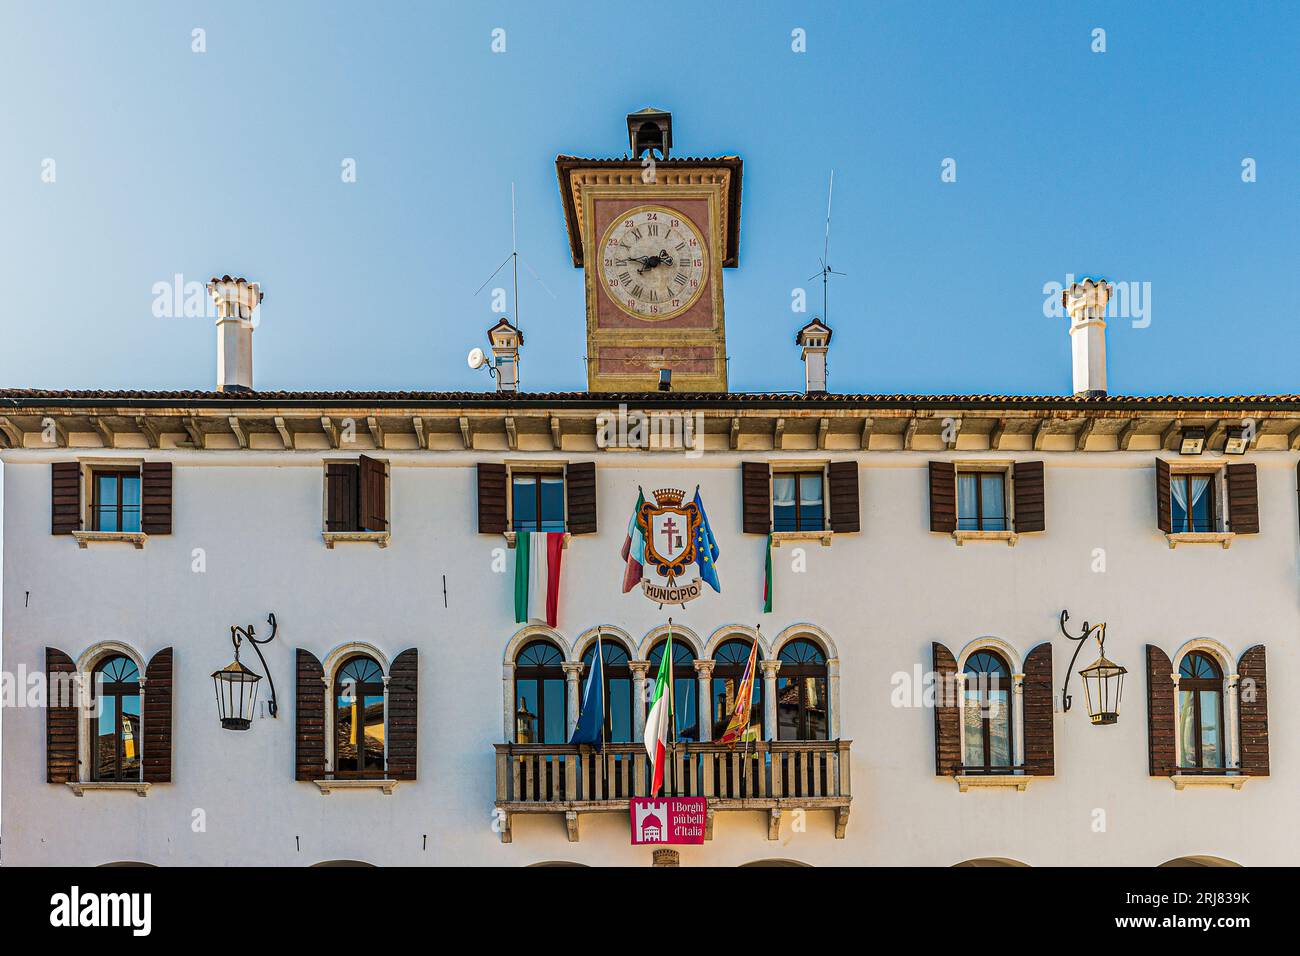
537 575
738 727
634 548
767 578
661 716
591 719
706 548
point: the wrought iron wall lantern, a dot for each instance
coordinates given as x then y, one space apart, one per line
1103 680
236 685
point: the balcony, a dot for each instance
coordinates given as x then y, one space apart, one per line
768 776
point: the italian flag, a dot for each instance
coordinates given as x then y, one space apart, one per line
767 578
661 715
537 575
633 548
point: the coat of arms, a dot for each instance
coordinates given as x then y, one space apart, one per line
669 527
669 535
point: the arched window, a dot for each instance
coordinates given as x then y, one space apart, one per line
115 738
987 714
618 689
684 687
728 671
539 695
359 718
802 709
1200 712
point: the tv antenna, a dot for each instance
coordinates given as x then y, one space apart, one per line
514 259
827 271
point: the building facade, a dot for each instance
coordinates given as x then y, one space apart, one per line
910 672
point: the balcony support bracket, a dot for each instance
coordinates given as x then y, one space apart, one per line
571 824
774 824
841 821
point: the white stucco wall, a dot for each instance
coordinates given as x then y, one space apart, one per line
883 595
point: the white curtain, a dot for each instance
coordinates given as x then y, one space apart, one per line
810 490
783 491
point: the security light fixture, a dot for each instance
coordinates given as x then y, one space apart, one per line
1103 680
1193 442
236 684
1236 442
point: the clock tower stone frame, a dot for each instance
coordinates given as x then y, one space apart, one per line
629 339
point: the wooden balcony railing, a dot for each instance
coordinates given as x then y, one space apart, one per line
765 775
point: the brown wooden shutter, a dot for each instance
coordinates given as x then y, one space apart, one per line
1037 699
947 713
1027 479
60 721
1252 714
756 497
491 498
1164 516
943 496
1160 713
372 478
65 497
844 507
403 714
580 497
1243 499
341 496
156 497
309 718
157 749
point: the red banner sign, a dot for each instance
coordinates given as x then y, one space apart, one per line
669 820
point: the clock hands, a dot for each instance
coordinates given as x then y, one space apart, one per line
651 262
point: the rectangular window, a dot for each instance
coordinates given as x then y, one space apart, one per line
115 500
798 503
981 501
1191 501
356 495
537 501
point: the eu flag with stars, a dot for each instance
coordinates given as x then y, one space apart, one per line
706 549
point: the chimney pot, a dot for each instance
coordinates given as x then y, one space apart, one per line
1085 301
235 300
505 340
814 339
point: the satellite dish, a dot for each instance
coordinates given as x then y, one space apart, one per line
476 358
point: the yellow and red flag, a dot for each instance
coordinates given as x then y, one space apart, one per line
736 730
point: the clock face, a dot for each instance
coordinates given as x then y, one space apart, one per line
653 262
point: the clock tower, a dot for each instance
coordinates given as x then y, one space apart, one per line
653 235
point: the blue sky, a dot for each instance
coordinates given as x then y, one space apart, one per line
1126 164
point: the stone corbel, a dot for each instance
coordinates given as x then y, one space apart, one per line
376 432
841 822
191 426
571 825
237 430
150 431
105 433
774 823
283 429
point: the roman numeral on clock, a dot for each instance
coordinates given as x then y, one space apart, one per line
680 278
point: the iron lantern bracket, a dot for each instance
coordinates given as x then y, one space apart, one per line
1088 631
239 634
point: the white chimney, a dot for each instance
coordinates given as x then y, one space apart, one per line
506 339
814 339
235 299
1085 301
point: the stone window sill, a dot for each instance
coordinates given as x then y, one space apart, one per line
992 781
380 538
329 786
1184 780
79 787
825 537
1010 537
1200 537
512 536
137 538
